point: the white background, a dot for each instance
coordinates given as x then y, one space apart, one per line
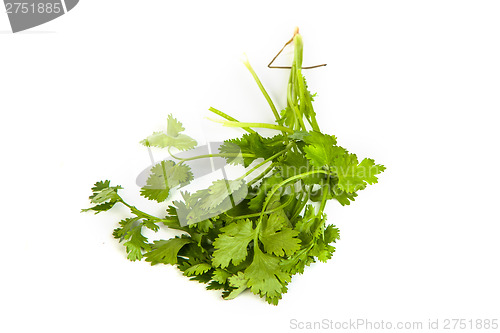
412 84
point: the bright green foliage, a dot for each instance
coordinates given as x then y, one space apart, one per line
221 191
174 127
210 202
232 243
164 176
238 283
254 144
165 251
257 231
276 236
367 170
267 184
136 244
172 138
198 269
308 225
104 196
265 277
220 275
126 226
281 241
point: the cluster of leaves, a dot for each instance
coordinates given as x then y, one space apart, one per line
255 235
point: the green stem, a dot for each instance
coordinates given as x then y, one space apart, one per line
210 155
171 222
299 83
286 181
228 117
300 205
265 172
305 101
142 214
266 160
262 89
314 123
297 96
258 125
298 114
325 190
298 51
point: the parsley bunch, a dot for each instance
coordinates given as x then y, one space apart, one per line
256 231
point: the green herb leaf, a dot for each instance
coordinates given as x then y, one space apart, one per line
164 176
197 269
232 243
238 284
265 277
172 138
165 251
